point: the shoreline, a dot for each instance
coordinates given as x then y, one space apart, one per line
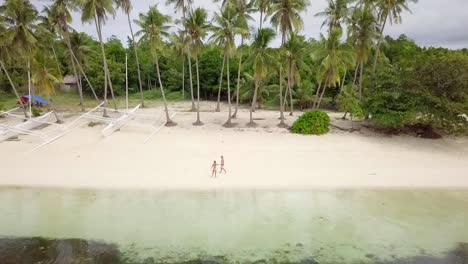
261 158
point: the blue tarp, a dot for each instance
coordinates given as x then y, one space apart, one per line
37 99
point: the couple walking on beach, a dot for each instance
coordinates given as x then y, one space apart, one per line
214 167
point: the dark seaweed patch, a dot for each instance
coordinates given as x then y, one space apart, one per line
39 250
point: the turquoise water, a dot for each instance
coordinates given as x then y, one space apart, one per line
343 226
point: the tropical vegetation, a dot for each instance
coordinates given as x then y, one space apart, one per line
229 57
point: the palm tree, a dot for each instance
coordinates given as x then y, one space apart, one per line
47 32
80 51
126 6
197 26
286 16
262 60
184 6
154 26
295 51
335 14
224 31
5 52
263 6
45 79
333 57
20 16
97 10
242 10
179 46
59 18
388 11
363 33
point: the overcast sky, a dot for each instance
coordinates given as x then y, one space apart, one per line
432 22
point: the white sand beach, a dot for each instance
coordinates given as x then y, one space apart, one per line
265 157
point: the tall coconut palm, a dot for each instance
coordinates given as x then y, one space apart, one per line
224 31
336 13
243 10
184 6
179 46
363 33
59 16
45 79
20 18
197 27
47 32
263 59
333 57
388 11
286 16
96 11
154 26
295 52
263 6
80 52
5 53
126 6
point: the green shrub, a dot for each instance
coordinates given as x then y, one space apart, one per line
36 111
315 122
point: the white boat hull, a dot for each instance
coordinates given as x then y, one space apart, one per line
6 133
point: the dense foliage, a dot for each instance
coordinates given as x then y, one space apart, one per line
416 85
392 82
314 122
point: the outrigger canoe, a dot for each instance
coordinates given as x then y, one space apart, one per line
7 132
119 122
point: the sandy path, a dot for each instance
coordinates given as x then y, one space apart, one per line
262 158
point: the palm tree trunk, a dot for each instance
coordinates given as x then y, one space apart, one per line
198 122
323 92
377 51
79 67
356 73
13 87
286 92
238 80
183 78
189 65
344 79
169 122
142 98
29 86
191 80
54 110
360 80
148 82
281 124
254 100
285 100
56 60
228 123
106 66
85 76
261 19
218 109
316 96
104 63
290 83
80 89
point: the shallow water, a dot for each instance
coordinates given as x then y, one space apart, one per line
344 226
